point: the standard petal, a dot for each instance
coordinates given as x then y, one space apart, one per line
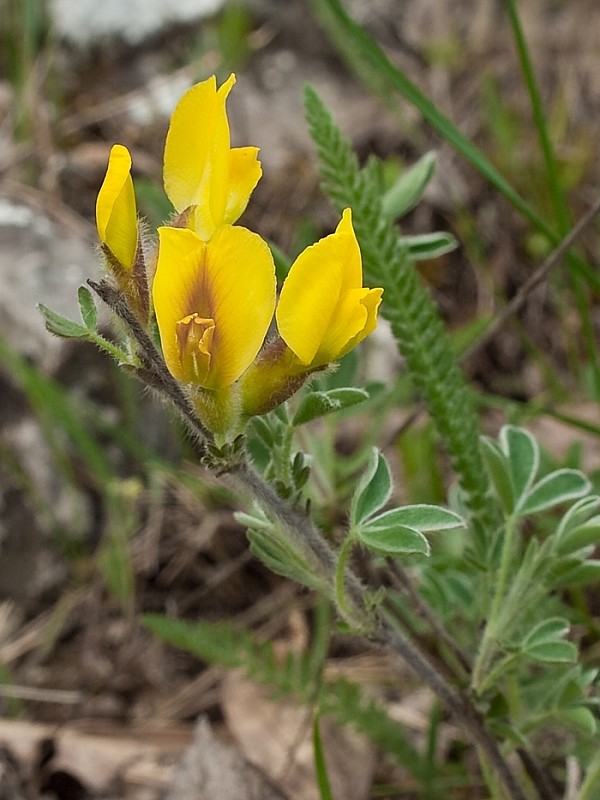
196 159
242 285
179 289
309 297
244 173
227 284
116 214
349 252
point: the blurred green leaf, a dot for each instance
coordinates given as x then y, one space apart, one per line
319 404
558 487
498 467
407 189
523 456
429 245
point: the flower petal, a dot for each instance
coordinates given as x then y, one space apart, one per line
370 300
243 286
229 281
349 252
177 289
116 214
317 282
244 173
196 159
323 311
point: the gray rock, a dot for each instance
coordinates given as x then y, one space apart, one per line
39 263
86 21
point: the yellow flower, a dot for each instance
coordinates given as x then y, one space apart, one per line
214 302
324 311
203 175
116 214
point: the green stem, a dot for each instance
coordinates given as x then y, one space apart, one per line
488 641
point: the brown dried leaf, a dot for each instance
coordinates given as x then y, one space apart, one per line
277 736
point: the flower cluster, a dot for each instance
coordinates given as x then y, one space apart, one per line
213 287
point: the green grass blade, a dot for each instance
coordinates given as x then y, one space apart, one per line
320 765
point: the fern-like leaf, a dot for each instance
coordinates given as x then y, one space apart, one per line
407 305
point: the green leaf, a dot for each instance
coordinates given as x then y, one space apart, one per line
373 490
408 188
559 486
581 574
498 468
577 514
546 642
547 630
318 404
523 457
421 517
429 245
87 308
393 539
579 717
61 326
553 652
581 537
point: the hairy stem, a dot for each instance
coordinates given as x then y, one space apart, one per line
459 705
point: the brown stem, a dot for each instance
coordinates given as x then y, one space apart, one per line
459 705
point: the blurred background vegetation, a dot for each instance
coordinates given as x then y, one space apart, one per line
104 512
